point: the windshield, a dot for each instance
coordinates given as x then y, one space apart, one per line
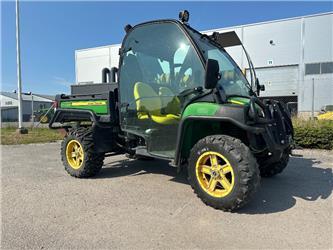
232 79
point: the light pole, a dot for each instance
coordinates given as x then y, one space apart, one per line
32 110
20 129
32 106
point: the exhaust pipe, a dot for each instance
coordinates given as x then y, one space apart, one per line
113 74
109 76
105 73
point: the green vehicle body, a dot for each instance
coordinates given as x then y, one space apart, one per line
201 109
196 119
196 130
99 107
196 109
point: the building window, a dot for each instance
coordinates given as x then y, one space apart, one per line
8 103
312 68
327 68
319 68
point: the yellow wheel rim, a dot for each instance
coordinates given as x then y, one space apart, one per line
74 154
215 174
44 119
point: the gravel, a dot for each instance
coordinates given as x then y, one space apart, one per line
146 205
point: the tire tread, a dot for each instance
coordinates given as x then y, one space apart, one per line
249 172
93 161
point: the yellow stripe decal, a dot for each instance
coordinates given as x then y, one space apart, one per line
89 103
236 102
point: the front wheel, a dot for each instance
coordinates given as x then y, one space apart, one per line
78 154
223 172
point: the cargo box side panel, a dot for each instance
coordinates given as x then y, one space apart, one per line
99 107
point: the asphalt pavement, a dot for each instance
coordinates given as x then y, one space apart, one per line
146 205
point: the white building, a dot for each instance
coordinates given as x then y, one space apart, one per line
293 58
9 105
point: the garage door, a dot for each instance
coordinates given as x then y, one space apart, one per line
278 81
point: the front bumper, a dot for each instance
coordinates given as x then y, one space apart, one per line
278 129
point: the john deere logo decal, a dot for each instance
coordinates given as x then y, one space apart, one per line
89 103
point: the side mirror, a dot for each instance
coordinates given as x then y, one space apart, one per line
212 75
259 87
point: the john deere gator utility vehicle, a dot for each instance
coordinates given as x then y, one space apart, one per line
178 95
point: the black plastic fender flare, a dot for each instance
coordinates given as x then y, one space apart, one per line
64 115
180 139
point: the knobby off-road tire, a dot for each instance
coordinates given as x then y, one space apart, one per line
90 162
272 169
43 119
244 169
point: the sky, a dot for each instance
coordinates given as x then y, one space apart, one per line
52 31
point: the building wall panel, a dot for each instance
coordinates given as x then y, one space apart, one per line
318 45
114 54
90 63
280 64
7 102
318 88
278 81
285 50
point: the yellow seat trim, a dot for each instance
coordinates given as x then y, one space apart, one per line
143 116
149 105
166 119
170 102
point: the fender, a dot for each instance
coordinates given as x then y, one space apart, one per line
181 128
68 115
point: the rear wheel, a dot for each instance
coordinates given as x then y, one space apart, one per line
44 119
78 154
223 172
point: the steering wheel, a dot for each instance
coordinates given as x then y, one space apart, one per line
183 94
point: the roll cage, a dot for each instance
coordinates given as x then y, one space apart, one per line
220 40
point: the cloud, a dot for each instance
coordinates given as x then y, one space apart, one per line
7 86
62 81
